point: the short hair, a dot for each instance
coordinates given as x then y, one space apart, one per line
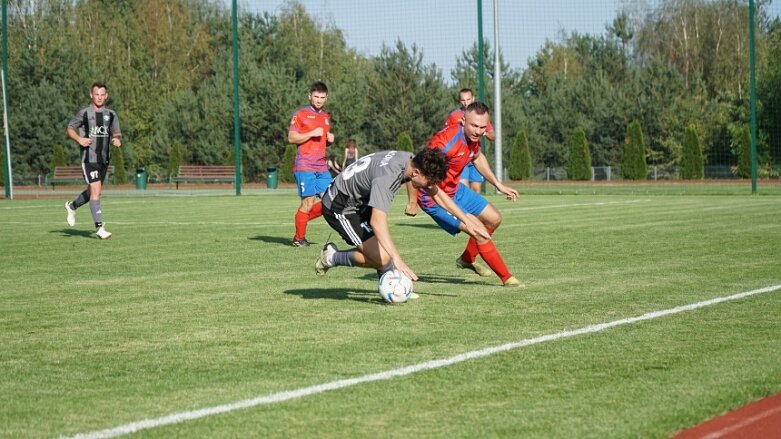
98 84
433 164
466 90
477 107
318 86
350 142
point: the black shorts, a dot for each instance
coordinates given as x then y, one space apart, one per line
94 172
354 228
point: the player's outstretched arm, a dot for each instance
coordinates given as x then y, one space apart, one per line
412 201
473 227
379 224
481 164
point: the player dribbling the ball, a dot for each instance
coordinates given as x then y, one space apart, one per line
356 206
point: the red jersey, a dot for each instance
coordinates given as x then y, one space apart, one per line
460 152
310 155
456 117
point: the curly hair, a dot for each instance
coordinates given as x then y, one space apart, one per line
433 164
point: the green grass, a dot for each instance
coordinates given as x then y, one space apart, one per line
200 301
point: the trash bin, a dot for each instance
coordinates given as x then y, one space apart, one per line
141 178
272 177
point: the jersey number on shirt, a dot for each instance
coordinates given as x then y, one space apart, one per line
358 166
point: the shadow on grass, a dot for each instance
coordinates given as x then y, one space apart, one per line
419 226
74 232
366 296
277 240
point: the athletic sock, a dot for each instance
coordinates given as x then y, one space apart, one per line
491 256
388 267
343 258
97 214
316 211
81 200
470 252
301 220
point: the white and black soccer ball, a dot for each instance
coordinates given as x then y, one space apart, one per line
395 287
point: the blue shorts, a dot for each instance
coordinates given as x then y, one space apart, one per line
311 183
470 174
468 200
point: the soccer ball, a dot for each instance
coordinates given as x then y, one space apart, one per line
395 287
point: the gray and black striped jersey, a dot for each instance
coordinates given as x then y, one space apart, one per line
99 125
373 181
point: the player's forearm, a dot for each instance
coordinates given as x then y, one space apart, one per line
481 164
444 200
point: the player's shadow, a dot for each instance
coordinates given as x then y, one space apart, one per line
424 290
419 226
365 296
73 232
275 240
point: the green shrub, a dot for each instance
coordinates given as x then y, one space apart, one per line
288 160
579 163
58 157
741 145
633 166
118 159
520 158
692 162
175 158
404 142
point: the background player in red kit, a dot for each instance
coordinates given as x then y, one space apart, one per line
469 176
310 129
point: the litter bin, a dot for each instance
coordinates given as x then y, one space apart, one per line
272 177
141 178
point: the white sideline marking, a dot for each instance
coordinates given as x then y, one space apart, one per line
176 418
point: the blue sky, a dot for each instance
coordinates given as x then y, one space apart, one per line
442 29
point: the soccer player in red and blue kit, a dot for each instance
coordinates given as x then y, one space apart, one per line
461 144
470 176
310 129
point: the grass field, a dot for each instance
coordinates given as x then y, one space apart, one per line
200 302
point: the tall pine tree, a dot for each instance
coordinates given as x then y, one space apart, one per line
520 158
633 166
579 164
692 166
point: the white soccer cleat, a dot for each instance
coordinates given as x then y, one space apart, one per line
71 214
321 264
103 233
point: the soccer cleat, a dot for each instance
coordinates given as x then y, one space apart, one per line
300 242
103 233
512 282
474 266
71 214
413 295
321 264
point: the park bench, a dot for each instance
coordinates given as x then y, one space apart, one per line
71 175
204 174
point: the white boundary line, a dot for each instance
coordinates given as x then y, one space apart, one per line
176 418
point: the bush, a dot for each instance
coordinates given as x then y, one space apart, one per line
404 142
288 160
741 145
58 157
692 162
520 158
120 173
633 166
175 158
579 163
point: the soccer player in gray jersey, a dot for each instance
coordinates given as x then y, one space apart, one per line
356 205
95 128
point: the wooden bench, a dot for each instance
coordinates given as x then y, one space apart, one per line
204 174
71 175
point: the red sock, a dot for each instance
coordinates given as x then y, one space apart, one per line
317 211
470 252
494 260
301 220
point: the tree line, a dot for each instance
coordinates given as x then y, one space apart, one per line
678 66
